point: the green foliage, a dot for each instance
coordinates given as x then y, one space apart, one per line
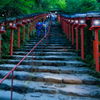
88 5
80 6
19 7
6 40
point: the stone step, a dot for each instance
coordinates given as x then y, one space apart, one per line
59 39
33 44
45 62
50 57
48 50
30 87
60 47
54 78
51 39
48 53
6 95
42 96
48 47
51 69
27 48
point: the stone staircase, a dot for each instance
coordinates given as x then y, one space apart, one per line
57 74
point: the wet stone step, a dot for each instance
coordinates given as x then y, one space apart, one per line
55 78
50 39
52 88
49 50
43 47
51 69
48 47
45 62
52 57
6 95
33 44
47 53
53 46
58 38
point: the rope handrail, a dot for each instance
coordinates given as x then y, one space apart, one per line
27 54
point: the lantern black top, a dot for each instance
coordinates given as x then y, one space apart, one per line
67 16
76 15
11 19
72 16
20 17
93 14
63 15
82 15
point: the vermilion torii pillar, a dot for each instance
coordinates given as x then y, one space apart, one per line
19 24
76 25
24 22
64 25
12 26
82 24
69 29
28 21
72 24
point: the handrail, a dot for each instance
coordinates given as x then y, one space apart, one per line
26 54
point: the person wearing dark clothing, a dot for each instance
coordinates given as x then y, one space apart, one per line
38 27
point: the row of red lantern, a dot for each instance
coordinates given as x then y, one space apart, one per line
70 23
16 24
79 21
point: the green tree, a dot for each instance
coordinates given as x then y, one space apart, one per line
18 7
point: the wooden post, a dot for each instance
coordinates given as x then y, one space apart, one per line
11 43
18 43
96 50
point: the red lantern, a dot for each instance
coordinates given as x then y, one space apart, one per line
72 23
12 26
95 25
76 23
28 21
19 24
82 24
24 22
